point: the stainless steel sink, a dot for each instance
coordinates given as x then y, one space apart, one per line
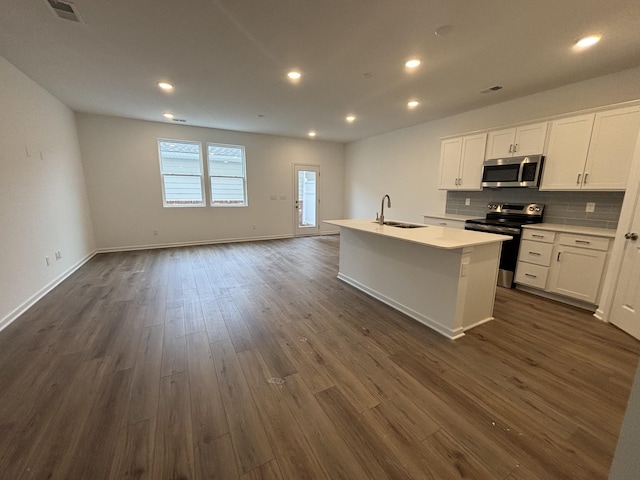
391 223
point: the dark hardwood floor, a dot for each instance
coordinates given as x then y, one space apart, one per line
252 361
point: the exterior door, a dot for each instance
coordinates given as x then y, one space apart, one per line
626 302
306 199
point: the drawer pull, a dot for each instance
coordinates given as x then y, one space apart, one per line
530 275
583 242
535 253
558 259
443 223
537 236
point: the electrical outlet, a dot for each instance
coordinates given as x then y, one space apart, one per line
274 197
48 261
253 227
155 232
591 207
467 201
283 197
58 255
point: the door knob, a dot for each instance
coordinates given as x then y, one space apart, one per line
631 236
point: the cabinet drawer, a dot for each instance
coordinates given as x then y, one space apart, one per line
532 275
535 252
441 222
584 241
538 235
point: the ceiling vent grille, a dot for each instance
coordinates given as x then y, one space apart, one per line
65 10
491 89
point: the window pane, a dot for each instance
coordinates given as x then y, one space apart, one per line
227 191
180 158
182 190
226 160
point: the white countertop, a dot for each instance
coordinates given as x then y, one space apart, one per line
449 216
432 236
577 230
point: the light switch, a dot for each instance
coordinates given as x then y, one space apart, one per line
591 207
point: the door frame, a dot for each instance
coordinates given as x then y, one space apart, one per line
629 205
305 231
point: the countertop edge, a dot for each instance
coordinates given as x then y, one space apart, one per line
575 229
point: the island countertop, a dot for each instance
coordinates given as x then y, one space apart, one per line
438 237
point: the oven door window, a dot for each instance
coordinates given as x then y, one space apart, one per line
501 173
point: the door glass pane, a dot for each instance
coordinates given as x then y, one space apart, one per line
306 199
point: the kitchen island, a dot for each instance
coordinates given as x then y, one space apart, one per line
442 277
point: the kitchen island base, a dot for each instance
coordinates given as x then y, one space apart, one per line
449 290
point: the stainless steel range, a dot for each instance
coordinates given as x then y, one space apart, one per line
507 219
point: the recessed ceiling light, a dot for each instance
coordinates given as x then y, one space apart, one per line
350 118
412 63
167 87
312 133
588 41
413 103
167 115
294 75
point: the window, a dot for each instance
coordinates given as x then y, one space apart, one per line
227 177
181 170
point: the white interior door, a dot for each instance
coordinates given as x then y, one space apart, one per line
626 302
306 199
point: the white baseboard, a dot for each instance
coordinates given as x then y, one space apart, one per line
24 306
429 322
152 246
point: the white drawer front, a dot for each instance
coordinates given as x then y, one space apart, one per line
535 252
538 235
441 222
532 275
584 241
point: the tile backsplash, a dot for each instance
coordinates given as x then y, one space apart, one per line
566 208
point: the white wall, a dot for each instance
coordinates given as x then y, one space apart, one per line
43 200
120 158
405 163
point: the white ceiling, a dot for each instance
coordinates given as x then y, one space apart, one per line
228 58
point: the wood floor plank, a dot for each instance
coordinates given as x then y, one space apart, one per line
267 471
294 454
250 441
143 399
207 410
174 454
215 460
174 352
133 458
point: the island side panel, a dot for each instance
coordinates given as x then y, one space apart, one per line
481 284
420 281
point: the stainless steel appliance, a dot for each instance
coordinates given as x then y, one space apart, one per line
512 172
507 219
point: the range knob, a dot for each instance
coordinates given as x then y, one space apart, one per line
489 206
537 209
531 208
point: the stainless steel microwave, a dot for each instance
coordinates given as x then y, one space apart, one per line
512 172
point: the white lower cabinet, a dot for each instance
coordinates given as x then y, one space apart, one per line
567 264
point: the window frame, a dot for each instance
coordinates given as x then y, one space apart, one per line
163 174
244 176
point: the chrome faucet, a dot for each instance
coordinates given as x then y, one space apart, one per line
381 217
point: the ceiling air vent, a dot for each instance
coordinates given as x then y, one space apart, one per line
65 10
495 88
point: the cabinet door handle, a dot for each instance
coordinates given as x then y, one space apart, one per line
530 275
535 253
578 179
583 242
585 178
511 148
558 259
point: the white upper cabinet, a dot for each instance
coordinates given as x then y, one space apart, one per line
515 142
612 144
591 152
567 152
461 162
